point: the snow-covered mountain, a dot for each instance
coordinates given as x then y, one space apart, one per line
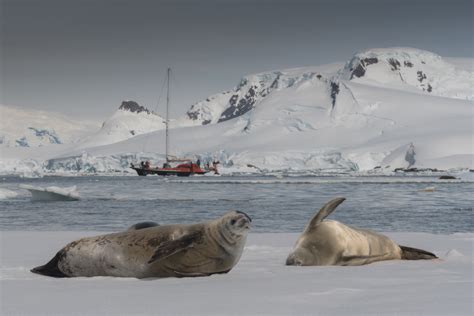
251 91
131 119
396 68
31 128
403 67
353 116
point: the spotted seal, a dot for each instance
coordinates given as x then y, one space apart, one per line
148 250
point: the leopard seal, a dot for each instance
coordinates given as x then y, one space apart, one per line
155 251
328 242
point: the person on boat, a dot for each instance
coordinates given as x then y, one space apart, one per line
214 166
198 162
142 164
147 165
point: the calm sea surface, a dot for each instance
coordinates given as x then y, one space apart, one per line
275 204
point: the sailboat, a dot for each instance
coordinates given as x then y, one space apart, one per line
184 167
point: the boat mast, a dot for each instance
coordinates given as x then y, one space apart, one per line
167 114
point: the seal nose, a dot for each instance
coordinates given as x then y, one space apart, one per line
292 261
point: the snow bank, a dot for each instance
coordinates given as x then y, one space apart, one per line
260 284
52 193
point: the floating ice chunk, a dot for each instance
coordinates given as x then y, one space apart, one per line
52 193
7 194
428 189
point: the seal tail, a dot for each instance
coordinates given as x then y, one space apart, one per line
409 253
51 268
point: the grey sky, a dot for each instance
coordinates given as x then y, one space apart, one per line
82 57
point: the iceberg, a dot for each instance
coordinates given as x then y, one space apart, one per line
7 194
52 193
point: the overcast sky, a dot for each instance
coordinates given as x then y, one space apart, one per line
83 57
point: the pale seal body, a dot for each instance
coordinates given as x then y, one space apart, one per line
157 251
328 242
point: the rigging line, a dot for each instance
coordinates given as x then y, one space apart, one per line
155 109
161 93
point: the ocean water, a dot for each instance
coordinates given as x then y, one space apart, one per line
383 203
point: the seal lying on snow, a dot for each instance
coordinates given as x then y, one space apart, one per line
148 250
332 243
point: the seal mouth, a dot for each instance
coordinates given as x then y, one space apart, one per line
243 223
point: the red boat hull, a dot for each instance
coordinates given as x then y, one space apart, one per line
184 170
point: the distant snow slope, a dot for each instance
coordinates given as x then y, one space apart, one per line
31 128
355 116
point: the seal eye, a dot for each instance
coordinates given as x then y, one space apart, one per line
232 222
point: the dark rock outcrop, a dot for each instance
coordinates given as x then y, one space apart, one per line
334 92
193 115
420 75
359 70
22 142
133 107
44 133
395 64
241 107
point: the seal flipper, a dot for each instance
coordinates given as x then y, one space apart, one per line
142 225
172 247
51 268
190 275
361 260
327 209
409 253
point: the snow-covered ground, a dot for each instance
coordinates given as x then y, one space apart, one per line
348 117
260 284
